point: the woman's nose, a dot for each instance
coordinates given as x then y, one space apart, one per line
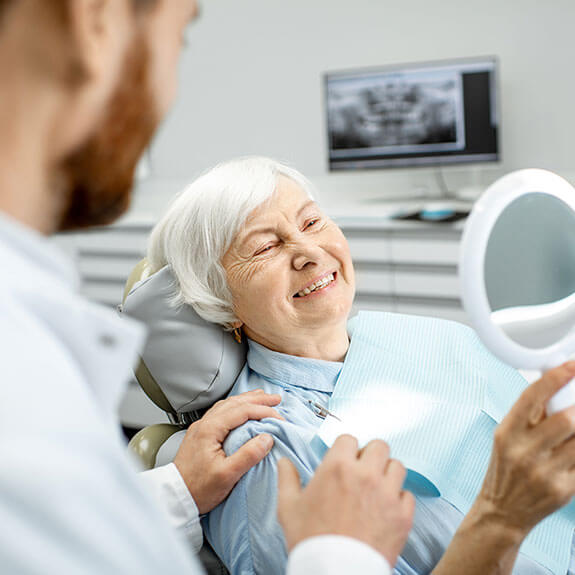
306 253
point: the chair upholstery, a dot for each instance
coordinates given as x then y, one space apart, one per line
187 363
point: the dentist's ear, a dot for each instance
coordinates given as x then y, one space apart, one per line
87 60
100 32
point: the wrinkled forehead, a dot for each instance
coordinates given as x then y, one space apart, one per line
287 201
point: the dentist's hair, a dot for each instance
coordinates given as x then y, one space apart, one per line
200 225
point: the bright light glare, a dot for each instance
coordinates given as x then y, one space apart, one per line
387 412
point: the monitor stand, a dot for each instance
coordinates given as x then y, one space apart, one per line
423 202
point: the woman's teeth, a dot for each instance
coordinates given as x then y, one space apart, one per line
317 285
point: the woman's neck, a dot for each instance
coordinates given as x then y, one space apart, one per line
331 345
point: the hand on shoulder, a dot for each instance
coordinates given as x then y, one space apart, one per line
208 472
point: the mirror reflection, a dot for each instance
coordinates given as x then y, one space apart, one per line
530 270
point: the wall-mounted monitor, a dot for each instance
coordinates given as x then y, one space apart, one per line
413 115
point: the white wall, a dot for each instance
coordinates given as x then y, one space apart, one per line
251 83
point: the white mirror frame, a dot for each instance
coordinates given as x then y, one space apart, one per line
476 235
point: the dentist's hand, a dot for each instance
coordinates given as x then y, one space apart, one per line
353 493
209 474
532 468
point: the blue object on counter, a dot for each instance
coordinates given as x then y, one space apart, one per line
436 215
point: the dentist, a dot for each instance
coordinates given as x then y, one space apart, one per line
83 86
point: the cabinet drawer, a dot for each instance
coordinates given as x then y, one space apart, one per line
364 303
376 250
428 309
112 242
424 251
106 267
426 284
373 281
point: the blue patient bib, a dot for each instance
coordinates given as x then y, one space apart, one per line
433 392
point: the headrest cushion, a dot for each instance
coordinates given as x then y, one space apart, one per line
194 362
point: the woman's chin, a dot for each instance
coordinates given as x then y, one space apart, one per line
325 311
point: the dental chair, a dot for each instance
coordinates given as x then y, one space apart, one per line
186 366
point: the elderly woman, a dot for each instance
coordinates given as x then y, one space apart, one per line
251 250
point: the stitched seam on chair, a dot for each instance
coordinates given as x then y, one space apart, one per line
212 383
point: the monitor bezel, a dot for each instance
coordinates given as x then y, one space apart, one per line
407 163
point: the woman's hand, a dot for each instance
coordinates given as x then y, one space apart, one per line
531 474
209 474
532 468
354 493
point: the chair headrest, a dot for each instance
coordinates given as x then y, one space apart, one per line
192 361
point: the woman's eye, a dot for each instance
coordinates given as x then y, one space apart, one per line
263 250
311 223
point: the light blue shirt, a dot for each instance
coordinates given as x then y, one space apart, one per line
244 530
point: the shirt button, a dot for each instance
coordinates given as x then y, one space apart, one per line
107 340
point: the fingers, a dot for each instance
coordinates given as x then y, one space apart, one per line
344 447
395 473
255 397
408 501
234 411
261 397
226 420
555 429
534 398
248 455
376 452
289 484
563 457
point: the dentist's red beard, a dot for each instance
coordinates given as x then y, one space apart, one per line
97 179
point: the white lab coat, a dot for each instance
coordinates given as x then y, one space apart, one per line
70 501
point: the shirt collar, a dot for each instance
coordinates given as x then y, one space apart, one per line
290 370
38 250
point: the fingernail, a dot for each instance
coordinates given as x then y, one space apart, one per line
266 440
570 365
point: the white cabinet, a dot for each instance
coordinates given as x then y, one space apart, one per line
421 246
406 267
106 256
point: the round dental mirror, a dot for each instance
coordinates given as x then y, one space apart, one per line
517 269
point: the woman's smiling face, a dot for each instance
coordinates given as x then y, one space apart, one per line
290 273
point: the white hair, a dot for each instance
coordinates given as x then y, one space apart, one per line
200 225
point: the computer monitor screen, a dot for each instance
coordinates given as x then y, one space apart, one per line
413 115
